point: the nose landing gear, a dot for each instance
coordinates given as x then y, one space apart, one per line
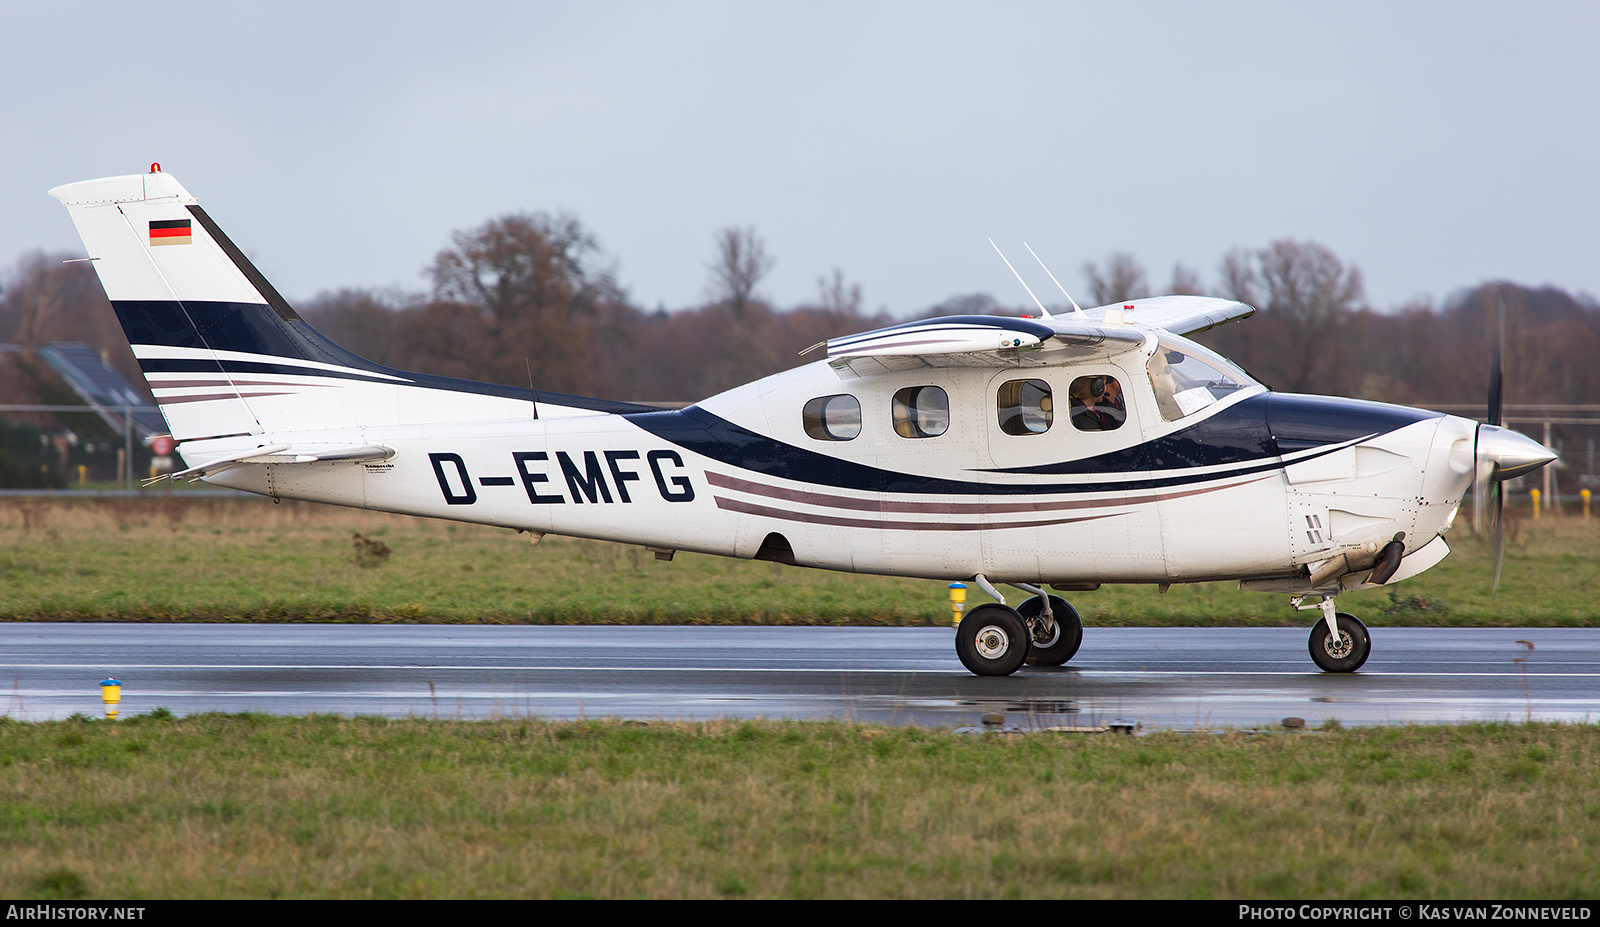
1339 642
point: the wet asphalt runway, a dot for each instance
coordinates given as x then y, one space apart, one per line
1183 678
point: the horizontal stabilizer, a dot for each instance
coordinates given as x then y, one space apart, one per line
285 454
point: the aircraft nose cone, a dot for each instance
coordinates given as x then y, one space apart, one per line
1512 454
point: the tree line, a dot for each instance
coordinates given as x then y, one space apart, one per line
532 298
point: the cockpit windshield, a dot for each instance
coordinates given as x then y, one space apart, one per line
1188 377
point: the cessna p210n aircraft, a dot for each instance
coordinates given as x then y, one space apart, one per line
1070 451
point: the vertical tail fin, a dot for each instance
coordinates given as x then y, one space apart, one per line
198 315
224 354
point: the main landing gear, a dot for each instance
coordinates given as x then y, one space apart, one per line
1055 641
1339 641
995 639
992 640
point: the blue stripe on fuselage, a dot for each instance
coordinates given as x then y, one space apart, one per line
711 436
1237 434
1300 422
1256 428
1241 434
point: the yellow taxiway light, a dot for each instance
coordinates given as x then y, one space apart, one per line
958 598
111 694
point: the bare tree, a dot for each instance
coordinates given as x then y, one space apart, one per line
521 265
1302 338
966 304
46 299
1308 283
741 263
1307 297
1239 277
532 285
1185 282
366 322
837 297
1122 280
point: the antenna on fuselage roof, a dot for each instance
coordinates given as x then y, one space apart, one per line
1075 307
1042 310
533 395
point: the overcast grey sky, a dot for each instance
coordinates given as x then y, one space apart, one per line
1435 145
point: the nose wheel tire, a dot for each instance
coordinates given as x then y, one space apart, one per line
1343 654
1060 643
992 640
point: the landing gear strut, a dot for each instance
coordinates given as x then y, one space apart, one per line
1341 652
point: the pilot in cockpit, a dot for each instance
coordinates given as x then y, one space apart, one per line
1097 404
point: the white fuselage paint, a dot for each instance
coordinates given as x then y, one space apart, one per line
604 476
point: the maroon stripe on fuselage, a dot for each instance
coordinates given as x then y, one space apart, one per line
951 508
747 508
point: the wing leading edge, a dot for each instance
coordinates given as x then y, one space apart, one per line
1001 341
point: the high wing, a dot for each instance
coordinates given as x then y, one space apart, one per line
979 341
1181 315
1000 341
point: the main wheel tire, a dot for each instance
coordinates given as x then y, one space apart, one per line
992 640
1348 652
1059 647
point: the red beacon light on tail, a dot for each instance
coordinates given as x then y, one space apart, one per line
155 167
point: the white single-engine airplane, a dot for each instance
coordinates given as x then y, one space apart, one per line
1069 451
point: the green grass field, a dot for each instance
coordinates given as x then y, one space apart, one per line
244 559
252 806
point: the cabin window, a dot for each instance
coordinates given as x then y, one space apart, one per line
921 412
1188 378
1025 407
833 418
1097 404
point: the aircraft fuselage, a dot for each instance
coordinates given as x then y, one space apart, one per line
1256 486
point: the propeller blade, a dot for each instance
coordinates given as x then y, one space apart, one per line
1502 454
1495 379
1497 539
1480 495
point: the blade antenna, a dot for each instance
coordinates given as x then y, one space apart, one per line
1043 311
533 395
1076 309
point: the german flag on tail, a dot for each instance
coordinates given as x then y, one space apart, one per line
170 232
